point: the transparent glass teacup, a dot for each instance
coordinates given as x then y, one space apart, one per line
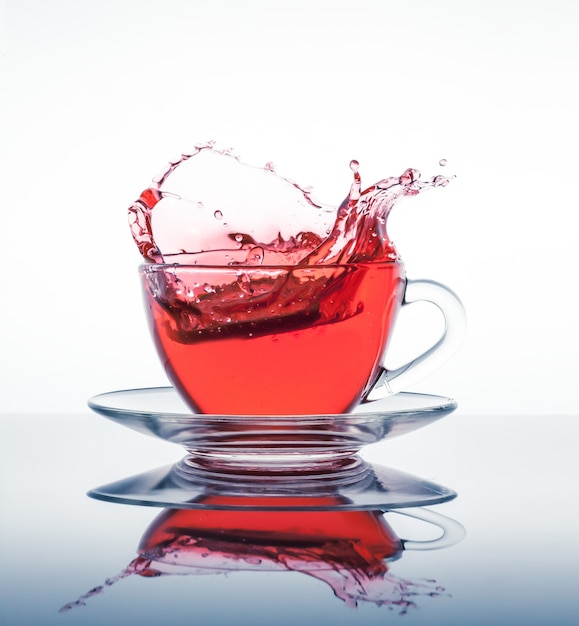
288 340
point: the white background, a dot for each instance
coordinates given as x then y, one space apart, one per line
98 95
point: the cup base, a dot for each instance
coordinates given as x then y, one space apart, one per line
276 461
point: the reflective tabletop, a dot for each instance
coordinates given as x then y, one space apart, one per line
503 551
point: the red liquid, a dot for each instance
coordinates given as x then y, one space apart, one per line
279 341
348 550
208 207
359 540
305 331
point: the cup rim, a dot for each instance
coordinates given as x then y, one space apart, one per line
143 267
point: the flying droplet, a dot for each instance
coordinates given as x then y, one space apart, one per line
442 162
439 181
200 205
409 176
218 215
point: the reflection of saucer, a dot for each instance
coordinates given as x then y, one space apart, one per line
356 485
266 440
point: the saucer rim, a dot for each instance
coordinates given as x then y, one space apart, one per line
380 407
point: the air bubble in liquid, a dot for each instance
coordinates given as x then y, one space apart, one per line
255 256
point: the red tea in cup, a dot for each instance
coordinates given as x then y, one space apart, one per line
263 301
273 340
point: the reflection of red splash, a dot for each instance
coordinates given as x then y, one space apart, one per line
307 539
348 550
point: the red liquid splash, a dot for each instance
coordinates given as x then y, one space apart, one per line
348 550
305 281
207 207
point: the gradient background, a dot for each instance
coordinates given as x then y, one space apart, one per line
99 95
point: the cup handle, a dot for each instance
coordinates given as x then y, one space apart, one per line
393 381
452 531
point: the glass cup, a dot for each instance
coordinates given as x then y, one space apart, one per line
288 340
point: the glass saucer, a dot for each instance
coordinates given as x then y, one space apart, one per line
351 484
276 442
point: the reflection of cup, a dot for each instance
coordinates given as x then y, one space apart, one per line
311 540
349 550
313 536
261 340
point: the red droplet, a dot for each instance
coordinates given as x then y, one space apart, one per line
150 197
